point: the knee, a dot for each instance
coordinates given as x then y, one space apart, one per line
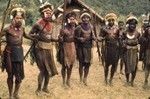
106 67
18 80
10 76
63 67
87 65
114 68
42 72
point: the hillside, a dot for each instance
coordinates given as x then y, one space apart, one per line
121 7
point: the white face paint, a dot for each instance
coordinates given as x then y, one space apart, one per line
47 15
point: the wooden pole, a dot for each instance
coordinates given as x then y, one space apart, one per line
3 21
64 13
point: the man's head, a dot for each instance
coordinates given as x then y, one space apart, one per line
71 18
85 17
46 11
121 24
18 16
111 18
132 21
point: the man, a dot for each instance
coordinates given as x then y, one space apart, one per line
111 51
121 26
103 23
66 37
142 46
43 51
145 42
13 53
84 36
130 43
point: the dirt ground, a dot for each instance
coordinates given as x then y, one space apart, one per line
96 88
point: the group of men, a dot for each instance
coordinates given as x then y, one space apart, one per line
75 41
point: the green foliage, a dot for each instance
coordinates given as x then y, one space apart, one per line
121 7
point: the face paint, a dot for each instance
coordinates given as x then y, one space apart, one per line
47 15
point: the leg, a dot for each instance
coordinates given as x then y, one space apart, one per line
146 77
81 72
47 77
10 84
86 72
63 73
143 65
121 66
133 76
40 81
17 86
103 61
127 77
113 69
69 70
126 74
18 75
106 69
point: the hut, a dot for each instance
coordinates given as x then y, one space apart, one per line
76 6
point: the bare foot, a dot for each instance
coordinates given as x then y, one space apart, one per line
45 90
38 92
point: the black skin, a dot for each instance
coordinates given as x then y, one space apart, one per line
131 28
111 22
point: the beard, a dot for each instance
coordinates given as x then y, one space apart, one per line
18 24
72 24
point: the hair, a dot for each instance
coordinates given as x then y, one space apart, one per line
120 22
70 14
15 13
132 20
47 6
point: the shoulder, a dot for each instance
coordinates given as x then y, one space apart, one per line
137 33
6 29
78 27
125 32
36 26
91 26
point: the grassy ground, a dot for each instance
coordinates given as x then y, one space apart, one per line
96 88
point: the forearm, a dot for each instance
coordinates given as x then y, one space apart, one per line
28 37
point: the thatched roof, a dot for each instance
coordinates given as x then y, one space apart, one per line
79 5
